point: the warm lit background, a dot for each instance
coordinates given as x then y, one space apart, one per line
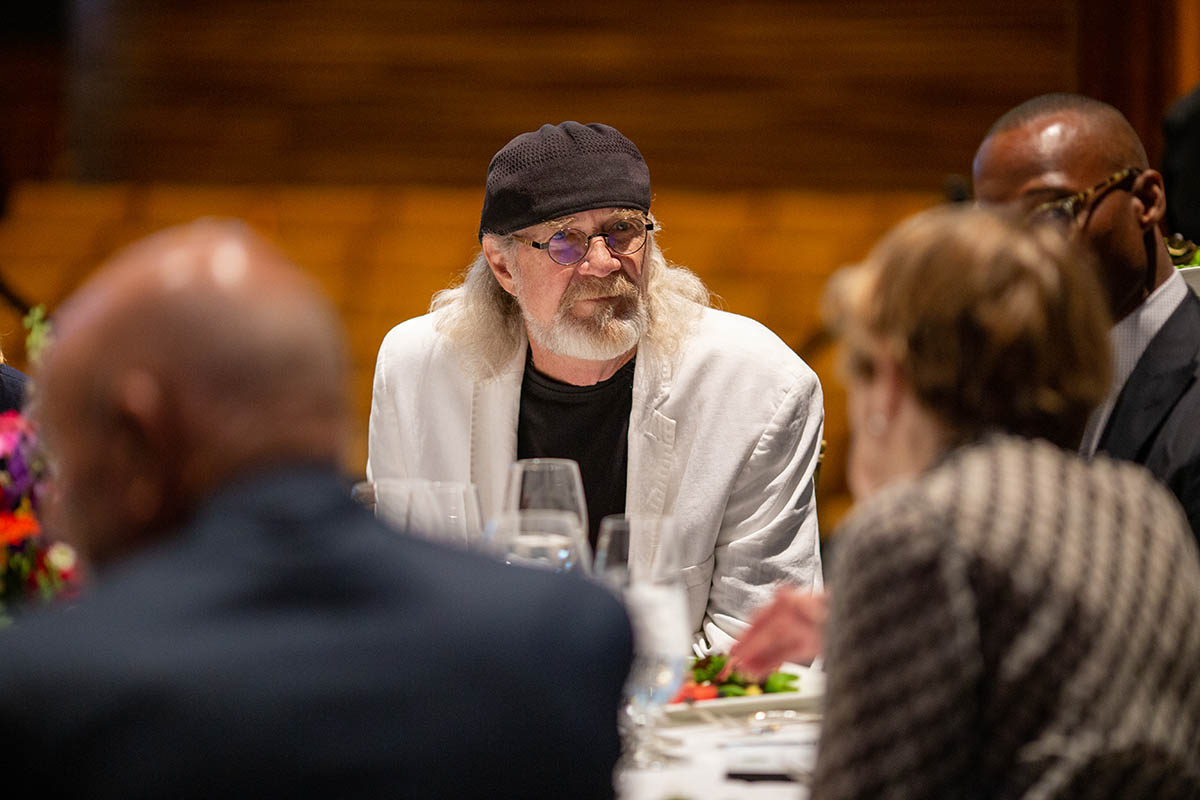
783 137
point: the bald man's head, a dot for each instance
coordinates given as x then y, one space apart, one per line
1055 146
193 356
1117 139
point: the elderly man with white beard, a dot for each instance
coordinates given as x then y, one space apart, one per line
572 337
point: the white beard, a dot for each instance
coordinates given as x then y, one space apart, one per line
614 328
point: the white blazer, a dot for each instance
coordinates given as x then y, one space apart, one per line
724 436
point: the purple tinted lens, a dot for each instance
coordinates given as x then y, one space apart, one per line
626 238
567 247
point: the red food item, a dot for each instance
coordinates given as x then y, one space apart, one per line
705 691
685 692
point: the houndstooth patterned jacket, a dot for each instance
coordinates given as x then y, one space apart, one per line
1016 623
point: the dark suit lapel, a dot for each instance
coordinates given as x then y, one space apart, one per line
1164 372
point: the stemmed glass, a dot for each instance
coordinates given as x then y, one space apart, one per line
611 562
638 555
445 511
538 538
551 484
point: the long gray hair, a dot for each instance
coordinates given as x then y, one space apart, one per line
485 323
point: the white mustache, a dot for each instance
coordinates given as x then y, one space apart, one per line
591 288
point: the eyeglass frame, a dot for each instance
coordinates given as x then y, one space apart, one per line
647 226
1077 203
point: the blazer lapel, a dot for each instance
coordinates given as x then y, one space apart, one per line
495 406
1161 376
651 435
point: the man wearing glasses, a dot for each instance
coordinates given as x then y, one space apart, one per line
572 337
1077 163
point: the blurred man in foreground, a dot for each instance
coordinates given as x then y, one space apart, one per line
251 632
1077 163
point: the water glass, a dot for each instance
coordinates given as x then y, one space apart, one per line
550 484
540 538
651 585
611 561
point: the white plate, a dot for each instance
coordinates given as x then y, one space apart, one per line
808 698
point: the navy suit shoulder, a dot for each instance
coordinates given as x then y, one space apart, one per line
1156 420
12 388
287 644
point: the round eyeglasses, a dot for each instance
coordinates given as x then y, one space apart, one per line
569 245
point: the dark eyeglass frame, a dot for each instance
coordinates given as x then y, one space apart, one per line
646 224
1070 208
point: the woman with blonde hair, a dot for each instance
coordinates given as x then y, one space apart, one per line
1006 619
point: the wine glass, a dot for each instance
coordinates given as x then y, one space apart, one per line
611 561
550 484
548 539
445 511
656 601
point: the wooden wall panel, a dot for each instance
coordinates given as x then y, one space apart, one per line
381 253
762 93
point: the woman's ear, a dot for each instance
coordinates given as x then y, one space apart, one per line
1151 196
500 259
893 385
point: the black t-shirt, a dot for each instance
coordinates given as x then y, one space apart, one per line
589 424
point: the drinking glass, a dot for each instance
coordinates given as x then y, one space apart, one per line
550 484
611 561
445 511
548 539
651 585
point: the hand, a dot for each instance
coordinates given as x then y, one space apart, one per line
790 628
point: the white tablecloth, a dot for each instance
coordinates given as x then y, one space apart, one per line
711 751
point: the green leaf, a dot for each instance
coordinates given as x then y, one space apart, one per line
708 668
780 682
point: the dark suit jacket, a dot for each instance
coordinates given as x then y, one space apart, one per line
285 644
12 388
1181 165
1156 420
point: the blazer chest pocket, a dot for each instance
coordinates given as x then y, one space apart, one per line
698 574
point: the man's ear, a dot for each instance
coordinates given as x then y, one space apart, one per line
500 259
1151 197
142 424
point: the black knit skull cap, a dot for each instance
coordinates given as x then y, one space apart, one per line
559 170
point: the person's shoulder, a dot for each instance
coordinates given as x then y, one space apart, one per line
736 331
954 495
900 510
417 333
531 593
1006 484
414 347
13 384
1143 499
721 337
53 646
496 602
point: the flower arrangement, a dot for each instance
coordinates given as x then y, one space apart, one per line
31 568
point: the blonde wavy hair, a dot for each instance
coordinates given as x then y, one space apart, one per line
997 327
485 323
